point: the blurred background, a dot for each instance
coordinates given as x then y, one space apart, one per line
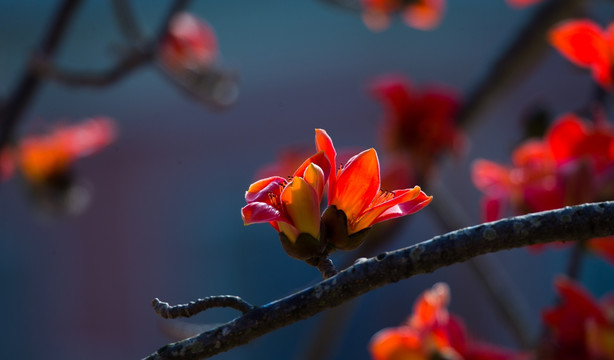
164 219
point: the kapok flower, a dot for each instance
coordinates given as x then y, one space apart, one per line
420 124
585 44
431 332
355 199
419 14
292 207
580 326
189 44
573 164
43 158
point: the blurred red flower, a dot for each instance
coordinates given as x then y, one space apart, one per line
420 124
419 14
580 327
573 164
585 44
40 158
433 333
189 44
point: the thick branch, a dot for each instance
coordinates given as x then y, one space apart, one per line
194 307
568 224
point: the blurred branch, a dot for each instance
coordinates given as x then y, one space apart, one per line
194 307
140 53
505 297
30 80
126 21
132 61
568 224
522 53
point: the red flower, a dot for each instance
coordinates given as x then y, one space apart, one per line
291 207
432 333
189 44
420 124
581 327
585 44
420 14
574 164
44 157
355 199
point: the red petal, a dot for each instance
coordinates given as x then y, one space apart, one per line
357 185
405 208
492 208
325 143
490 177
259 212
565 136
259 191
603 246
393 91
583 43
87 137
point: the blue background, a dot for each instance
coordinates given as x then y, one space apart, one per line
164 220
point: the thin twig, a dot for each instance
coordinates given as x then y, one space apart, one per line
326 267
139 54
194 307
124 66
29 83
567 224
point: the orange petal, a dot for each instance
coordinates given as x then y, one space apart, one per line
431 307
424 14
388 200
357 185
302 206
314 176
399 343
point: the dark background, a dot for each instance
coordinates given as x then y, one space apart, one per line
164 220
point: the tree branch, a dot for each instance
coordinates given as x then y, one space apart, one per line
194 307
140 53
568 224
29 83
